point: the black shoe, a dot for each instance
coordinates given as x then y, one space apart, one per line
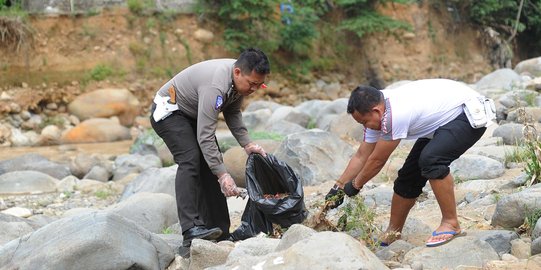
200 232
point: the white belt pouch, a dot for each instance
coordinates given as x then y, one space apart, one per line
163 108
480 111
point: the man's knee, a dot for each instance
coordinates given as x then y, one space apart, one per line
433 167
407 191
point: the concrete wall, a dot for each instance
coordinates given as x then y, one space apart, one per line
84 6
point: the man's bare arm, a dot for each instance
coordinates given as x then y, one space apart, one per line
356 163
376 161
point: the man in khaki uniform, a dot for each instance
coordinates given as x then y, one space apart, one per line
185 115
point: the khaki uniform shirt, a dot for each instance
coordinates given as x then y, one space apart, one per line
203 90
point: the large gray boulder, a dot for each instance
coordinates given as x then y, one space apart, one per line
504 78
345 127
452 254
324 250
98 240
153 211
499 240
469 167
511 133
316 156
154 180
512 209
134 163
26 182
14 227
530 67
35 162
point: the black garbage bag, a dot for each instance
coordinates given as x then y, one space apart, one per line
276 196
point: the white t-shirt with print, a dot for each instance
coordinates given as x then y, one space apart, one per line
416 109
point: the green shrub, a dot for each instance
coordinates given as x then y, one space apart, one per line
101 72
289 37
518 154
140 6
360 218
533 161
15 10
532 215
501 15
362 18
532 147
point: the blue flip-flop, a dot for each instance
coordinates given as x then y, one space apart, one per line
380 243
441 242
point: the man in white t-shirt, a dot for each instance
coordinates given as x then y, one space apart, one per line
428 111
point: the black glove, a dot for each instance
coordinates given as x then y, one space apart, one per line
350 190
335 196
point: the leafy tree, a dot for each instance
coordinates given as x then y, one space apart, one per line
501 15
287 30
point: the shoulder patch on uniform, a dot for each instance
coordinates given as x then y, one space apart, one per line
219 102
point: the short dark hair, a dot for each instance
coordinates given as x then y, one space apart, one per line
363 99
253 59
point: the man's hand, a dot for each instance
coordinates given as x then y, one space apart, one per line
228 186
335 197
254 148
350 190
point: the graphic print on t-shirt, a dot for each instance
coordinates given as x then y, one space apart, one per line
387 122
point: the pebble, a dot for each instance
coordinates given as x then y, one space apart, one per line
18 212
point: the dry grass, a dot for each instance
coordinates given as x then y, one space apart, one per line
14 33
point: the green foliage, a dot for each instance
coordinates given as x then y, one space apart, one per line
103 194
249 24
186 45
518 154
530 99
362 18
298 35
287 30
532 215
501 15
227 144
532 145
533 160
168 230
15 10
495 13
53 120
101 72
497 197
311 124
263 135
147 137
370 22
140 6
360 218
67 194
